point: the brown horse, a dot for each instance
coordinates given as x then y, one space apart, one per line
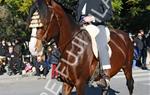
78 61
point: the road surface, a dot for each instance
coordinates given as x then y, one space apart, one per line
16 85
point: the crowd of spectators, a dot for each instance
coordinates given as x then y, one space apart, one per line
15 58
141 43
10 53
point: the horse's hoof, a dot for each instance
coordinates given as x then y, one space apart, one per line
60 93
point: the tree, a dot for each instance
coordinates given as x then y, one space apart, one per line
131 15
13 19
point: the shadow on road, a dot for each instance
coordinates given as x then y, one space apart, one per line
97 91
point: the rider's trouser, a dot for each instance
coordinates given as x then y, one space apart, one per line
102 42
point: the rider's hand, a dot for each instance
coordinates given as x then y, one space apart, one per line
89 19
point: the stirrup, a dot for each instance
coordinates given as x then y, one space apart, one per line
103 82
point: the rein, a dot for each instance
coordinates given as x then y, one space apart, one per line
50 9
68 42
51 18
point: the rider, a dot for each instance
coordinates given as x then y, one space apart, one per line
98 12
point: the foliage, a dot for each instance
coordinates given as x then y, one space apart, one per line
13 19
129 15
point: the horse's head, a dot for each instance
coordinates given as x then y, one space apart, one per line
44 24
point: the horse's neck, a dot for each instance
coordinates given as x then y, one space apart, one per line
67 31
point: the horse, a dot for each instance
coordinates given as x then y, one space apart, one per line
78 62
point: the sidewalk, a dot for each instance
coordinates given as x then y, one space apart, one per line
148 66
6 78
18 77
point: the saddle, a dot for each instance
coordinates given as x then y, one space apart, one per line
93 31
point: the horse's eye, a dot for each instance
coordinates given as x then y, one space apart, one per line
38 28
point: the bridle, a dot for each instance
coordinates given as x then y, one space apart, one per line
50 8
47 28
49 25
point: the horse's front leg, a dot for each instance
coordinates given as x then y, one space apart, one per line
66 90
80 88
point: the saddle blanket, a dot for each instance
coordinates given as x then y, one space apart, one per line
93 31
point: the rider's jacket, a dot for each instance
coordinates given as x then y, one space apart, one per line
100 9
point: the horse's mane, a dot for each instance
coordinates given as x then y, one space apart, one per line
69 11
69 8
43 10
33 8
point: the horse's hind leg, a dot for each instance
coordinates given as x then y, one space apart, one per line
66 90
128 73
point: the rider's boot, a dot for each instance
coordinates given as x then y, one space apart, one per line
104 81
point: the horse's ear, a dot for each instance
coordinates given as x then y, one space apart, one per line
55 5
58 9
53 2
49 2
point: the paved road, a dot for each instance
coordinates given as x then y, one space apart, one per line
141 86
16 85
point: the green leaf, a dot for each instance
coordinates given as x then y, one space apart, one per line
148 7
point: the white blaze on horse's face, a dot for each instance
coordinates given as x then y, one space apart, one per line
35 51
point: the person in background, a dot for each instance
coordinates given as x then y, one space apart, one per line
2 65
41 67
12 61
144 51
27 67
148 48
140 42
53 58
139 46
136 51
17 48
3 48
